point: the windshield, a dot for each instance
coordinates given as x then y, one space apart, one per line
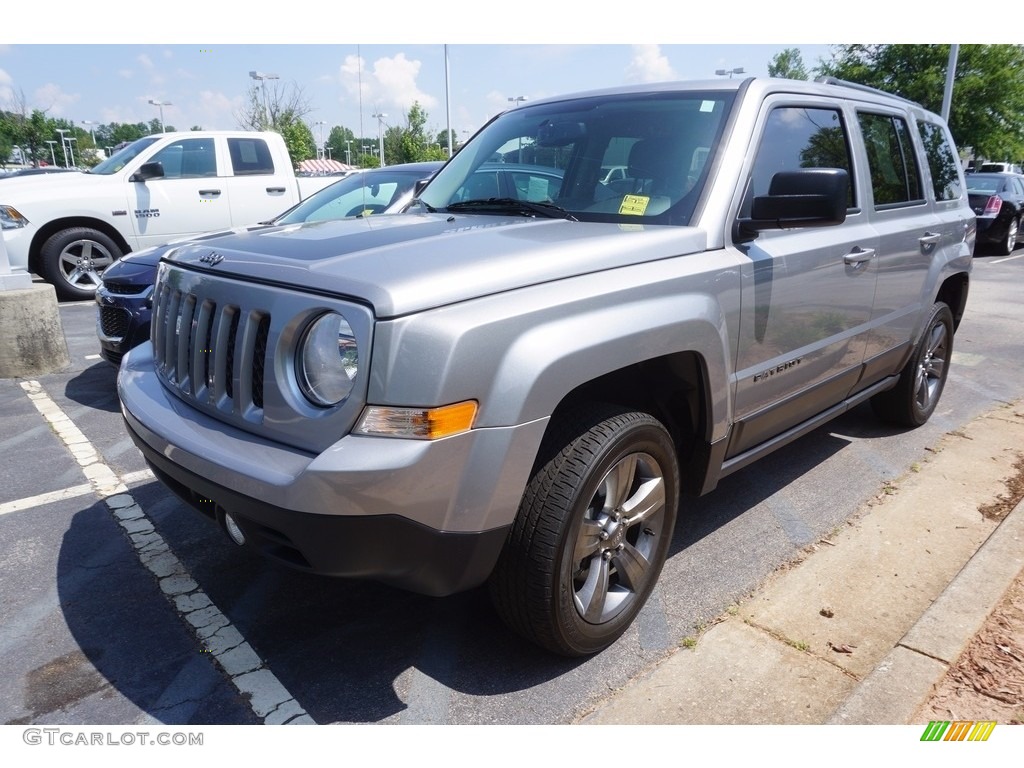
358 194
122 157
620 158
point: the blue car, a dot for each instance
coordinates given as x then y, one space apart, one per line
125 297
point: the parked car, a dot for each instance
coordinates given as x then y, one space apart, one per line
998 201
124 296
41 170
518 390
999 168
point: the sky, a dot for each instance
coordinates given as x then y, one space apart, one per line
349 69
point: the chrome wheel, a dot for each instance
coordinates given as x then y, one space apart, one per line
82 261
619 535
1011 237
931 371
72 260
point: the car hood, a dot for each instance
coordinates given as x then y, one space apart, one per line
411 262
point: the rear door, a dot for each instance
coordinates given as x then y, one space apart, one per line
260 189
807 293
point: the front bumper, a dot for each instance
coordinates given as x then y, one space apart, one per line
430 517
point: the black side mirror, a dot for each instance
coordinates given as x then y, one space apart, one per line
809 197
148 171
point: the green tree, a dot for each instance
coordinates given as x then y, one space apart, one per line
297 137
987 110
788 63
342 144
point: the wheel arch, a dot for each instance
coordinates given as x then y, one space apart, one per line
953 293
50 228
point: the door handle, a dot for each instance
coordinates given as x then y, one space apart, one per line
930 238
272 190
858 257
209 192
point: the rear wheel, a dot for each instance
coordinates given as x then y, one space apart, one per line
73 260
1010 241
911 402
592 531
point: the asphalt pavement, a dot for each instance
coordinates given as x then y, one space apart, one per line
861 628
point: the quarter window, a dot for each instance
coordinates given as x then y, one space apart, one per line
895 177
942 162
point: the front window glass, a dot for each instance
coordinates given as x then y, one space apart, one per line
625 158
122 157
188 159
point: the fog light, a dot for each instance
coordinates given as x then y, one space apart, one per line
233 530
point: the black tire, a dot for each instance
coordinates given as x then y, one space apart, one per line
911 402
73 260
577 567
1009 242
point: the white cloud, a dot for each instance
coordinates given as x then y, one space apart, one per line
390 84
649 65
6 88
54 101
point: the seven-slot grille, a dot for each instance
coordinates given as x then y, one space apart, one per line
211 353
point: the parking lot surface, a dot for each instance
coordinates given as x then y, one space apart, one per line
118 605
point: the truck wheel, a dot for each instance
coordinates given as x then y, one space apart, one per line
911 402
73 260
592 531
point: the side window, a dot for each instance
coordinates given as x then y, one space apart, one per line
942 162
250 157
799 137
895 177
188 159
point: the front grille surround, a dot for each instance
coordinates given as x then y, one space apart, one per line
227 347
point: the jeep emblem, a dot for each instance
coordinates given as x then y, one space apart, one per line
212 258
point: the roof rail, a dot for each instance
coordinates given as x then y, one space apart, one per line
829 80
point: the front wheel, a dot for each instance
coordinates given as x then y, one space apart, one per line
911 402
592 531
73 260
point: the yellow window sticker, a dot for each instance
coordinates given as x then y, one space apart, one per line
634 205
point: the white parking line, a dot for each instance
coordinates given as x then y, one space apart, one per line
1008 258
267 697
45 498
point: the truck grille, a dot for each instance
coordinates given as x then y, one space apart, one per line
213 354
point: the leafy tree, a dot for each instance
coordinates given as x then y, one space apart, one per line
987 110
789 64
342 144
297 137
279 108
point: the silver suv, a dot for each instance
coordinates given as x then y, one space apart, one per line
517 386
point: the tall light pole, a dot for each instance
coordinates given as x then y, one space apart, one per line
161 105
92 133
348 151
730 72
64 146
516 101
321 151
262 78
69 139
379 116
53 157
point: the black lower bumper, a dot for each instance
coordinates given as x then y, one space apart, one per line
385 548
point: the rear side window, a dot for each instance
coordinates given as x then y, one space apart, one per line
799 137
250 157
895 177
942 162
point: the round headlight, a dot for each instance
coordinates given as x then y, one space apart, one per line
328 360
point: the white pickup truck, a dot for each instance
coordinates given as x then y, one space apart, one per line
69 227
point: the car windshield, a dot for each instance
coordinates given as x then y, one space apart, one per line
122 157
358 194
620 158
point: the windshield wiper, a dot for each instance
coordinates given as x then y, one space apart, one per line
506 204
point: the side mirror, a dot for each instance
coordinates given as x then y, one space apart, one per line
148 171
810 197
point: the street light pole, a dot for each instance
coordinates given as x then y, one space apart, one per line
262 78
348 151
321 151
516 101
63 146
379 116
72 148
53 157
92 134
730 72
161 105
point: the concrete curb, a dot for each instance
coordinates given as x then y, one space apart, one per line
901 683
